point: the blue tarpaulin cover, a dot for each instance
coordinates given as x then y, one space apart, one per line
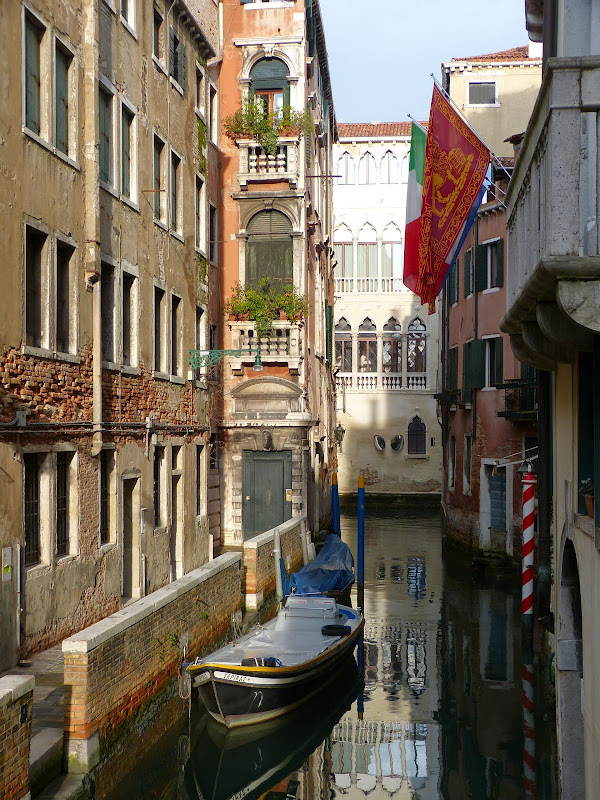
332 570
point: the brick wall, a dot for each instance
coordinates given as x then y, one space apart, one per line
16 696
260 565
114 666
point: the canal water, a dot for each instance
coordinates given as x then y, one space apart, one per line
439 714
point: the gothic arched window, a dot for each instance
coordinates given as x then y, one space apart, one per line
417 436
416 354
269 83
367 169
367 346
345 169
392 346
343 346
389 168
269 249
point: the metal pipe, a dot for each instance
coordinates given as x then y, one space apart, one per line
304 541
544 487
360 546
335 504
277 560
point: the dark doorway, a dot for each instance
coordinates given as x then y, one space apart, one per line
267 490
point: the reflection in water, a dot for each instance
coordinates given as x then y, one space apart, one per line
440 715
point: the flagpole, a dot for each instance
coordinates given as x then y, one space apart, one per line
417 123
468 124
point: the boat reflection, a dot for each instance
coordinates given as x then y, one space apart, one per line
248 762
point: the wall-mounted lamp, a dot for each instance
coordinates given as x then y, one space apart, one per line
204 358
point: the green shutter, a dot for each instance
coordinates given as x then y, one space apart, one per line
104 125
481 268
499 373
32 76
452 374
125 154
453 283
62 101
468 281
467 386
329 333
478 363
172 70
500 255
181 65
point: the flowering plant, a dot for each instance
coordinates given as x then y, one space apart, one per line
587 486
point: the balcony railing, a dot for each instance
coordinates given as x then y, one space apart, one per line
370 381
519 400
367 285
283 345
391 284
343 285
255 164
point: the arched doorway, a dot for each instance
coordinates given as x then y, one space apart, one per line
570 678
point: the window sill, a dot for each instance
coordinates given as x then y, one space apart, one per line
110 189
37 571
177 379
159 65
422 456
585 524
175 84
68 357
160 224
160 376
482 105
107 547
177 236
127 369
131 203
110 5
111 366
39 352
128 28
491 290
50 148
68 559
200 114
159 530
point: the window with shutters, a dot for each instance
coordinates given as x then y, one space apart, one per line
367 169
345 170
468 272
417 436
176 193
367 346
269 83
389 168
344 266
269 250
343 345
474 353
34 35
453 284
128 154
177 58
392 346
493 361
62 70
106 134
482 93
489 266
158 192
452 369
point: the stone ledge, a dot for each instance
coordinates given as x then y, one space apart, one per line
12 687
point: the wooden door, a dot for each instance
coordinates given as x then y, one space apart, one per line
267 490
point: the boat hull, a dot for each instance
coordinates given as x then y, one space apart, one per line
238 696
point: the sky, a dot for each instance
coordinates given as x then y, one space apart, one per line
382 52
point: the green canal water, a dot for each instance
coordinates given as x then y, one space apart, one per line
439 714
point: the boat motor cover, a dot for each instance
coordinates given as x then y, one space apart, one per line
332 570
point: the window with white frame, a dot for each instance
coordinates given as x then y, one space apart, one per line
66 503
128 153
343 270
158 36
129 318
200 100
107 490
63 68
343 345
452 463
65 298
389 168
159 486
37 244
176 193
160 328
493 360
467 457
108 297
345 170
35 87
489 265
481 93
128 12
158 168
213 233
366 260
391 260
200 479
177 58
176 336
416 346
106 102
213 115
367 169
367 346
200 216
392 346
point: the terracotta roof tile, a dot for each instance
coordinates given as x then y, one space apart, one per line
514 54
373 130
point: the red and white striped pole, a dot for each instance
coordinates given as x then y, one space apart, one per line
528 481
529 731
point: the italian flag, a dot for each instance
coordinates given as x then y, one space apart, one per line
418 142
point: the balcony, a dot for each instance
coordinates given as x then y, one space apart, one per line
282 347
255 164
388 381
553 284
519 401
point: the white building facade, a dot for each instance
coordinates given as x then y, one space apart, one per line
386 343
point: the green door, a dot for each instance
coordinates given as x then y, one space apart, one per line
267 490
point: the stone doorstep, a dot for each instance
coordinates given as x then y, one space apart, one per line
45 759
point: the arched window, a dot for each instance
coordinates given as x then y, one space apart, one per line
367 346
269 83
269 249
417 347
367 169
343 270
343 346
389 168
391 260
392 346
345 169
417 436
366 262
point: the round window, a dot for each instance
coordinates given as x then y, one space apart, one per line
397 442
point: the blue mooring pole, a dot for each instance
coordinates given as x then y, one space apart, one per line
335 505
360 545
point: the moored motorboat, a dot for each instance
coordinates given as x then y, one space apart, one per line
277 666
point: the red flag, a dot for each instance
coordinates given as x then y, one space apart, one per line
456 163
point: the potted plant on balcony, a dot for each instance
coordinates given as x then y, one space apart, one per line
292 304
258 305
587 490
251 121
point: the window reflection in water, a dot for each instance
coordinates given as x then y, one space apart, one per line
416 579
416 668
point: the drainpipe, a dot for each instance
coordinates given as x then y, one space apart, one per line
475 330
91 180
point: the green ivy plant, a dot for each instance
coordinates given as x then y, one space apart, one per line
251 121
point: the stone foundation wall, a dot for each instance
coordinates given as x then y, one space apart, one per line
259 563
16 696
